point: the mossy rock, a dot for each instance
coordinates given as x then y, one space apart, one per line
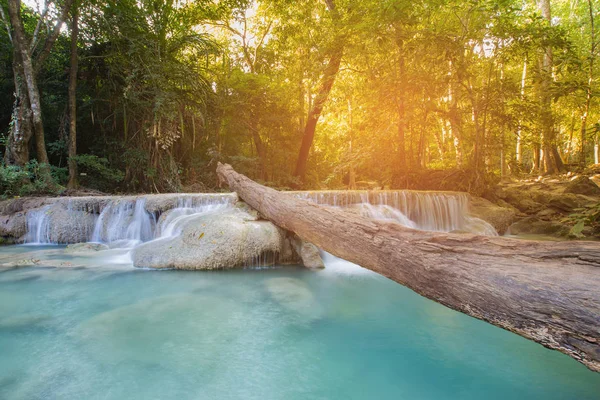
583 185
536 226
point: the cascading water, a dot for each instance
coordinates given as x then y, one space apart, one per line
431 211
121 222
188 208
125 220
38 226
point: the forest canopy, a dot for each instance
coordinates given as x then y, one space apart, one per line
147 96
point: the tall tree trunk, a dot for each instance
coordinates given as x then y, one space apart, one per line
551 159
314 114
327 80
589 91
401 105
518 150
21 131
544 291
454 118
73 99
351 172
261 150
22 47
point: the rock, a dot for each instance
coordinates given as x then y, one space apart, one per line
22 204
548 213
223 240
540 196
309 254
13 225
583 185
566 202
294 295
536 226
80 248
247 209
67 226
499 217
522 200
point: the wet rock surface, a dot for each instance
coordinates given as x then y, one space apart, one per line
226 239
309 254
499 216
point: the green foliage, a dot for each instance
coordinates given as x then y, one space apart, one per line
167 89
96 173
12 179
28 181
587 217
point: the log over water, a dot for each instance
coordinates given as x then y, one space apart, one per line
545 291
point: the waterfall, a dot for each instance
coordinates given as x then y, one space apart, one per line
125 220
118 221
128 221
38 226
187 208
431 211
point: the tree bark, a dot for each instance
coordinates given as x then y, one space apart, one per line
21 131
73 101
544 291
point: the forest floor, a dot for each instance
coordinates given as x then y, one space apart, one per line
563 206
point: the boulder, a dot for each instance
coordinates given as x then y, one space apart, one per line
309 254
522 200
220 240
565 202
536 226
583 185
499 217
13 225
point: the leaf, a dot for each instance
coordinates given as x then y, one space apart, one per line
577 229
201 235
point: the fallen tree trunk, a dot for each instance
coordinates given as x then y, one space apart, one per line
545 291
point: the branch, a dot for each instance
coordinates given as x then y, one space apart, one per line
43 56
261 41
34 39
6 23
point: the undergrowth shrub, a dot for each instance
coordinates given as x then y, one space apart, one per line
95 173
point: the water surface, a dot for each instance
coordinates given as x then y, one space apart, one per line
109 331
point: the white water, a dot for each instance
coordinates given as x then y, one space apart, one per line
430 211
38 226
125 222
170 224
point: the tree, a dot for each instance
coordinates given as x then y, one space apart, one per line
27 114
551 158
73 98
589 89
330 71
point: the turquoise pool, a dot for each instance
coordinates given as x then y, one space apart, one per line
98 329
